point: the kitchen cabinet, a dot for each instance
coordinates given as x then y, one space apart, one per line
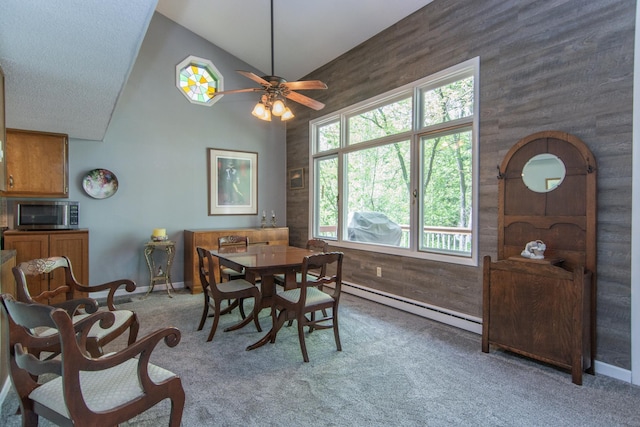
208 239
37 164
74 244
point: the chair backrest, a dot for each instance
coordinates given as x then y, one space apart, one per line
322 261
203 268
35 267
318 245
207 275
224 241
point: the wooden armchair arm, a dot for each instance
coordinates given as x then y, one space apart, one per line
142 347
130 286
82 327
72 306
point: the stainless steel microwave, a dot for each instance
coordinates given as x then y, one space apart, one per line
45 215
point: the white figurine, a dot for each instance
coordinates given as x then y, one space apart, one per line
534 250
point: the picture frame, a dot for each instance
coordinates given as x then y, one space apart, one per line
552 183
232 182
296 179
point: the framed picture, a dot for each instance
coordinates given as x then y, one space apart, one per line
233 182
296 178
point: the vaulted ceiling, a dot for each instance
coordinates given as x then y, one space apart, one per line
67 61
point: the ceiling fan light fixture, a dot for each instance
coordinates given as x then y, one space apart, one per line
278 107
259 110
287 115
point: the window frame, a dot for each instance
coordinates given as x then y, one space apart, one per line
469 68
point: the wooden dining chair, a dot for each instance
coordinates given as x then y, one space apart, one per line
74 297
84 391
301 303
215 293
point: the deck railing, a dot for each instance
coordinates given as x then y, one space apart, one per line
450 239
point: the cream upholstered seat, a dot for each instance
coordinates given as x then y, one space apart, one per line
67 296
103 391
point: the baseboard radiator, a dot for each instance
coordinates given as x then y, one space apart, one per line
439 314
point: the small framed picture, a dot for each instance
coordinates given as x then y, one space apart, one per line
296 179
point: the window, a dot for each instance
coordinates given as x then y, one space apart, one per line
398 173
199 80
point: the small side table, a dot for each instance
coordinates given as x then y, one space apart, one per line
158 275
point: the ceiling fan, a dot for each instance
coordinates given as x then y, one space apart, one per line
276 89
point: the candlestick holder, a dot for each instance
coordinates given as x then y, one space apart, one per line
273 221
263 221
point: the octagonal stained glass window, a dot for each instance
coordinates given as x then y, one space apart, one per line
199 80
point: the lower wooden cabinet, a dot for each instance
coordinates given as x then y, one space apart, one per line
539 310
209 239
74 244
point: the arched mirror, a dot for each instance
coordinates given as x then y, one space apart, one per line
543 173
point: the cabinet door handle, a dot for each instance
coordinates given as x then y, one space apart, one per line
11 181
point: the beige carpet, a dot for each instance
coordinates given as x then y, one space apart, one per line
396 369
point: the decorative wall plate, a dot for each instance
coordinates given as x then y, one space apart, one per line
100 183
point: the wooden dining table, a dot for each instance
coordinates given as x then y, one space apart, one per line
263 262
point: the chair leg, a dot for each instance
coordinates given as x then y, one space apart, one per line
336 334
303 345
241 306
29 418
216 319
177 406
205 312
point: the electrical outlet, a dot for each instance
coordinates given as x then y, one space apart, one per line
379 271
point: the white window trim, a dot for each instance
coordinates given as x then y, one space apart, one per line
437 79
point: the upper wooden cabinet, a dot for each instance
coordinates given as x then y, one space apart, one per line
37 164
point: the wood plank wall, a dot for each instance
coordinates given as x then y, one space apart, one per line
560 65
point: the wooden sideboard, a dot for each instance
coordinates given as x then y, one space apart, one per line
209 239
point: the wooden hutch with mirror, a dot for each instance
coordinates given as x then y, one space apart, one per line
545 308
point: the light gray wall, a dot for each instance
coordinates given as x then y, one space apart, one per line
156 145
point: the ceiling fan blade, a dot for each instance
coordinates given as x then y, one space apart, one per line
305 100
226 92
305 85
254 77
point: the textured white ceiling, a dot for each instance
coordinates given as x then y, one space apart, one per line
67 61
